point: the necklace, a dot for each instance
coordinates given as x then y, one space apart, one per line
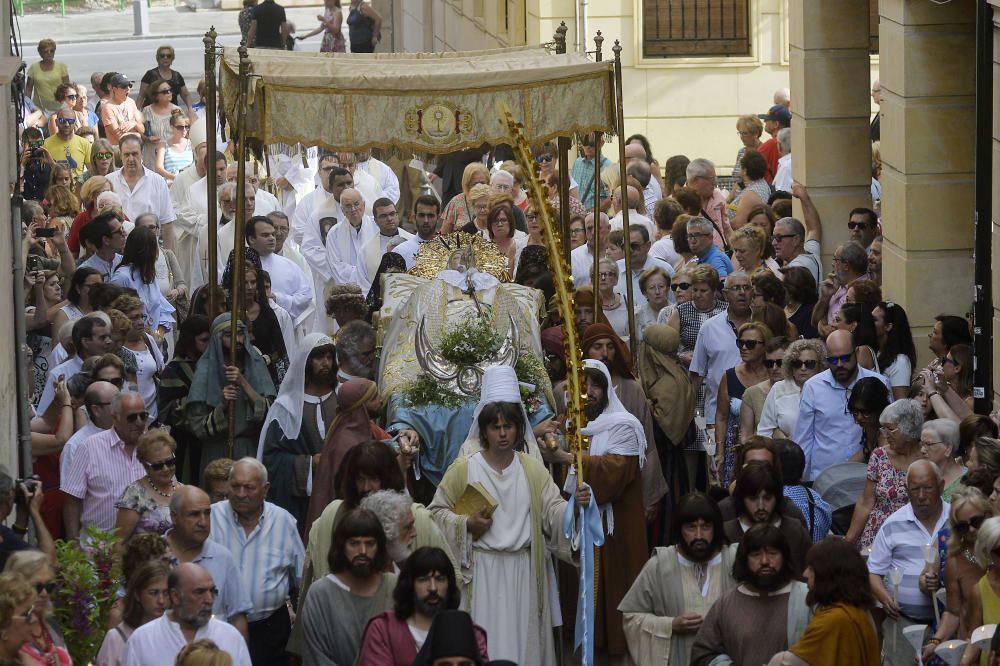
173 485
970 558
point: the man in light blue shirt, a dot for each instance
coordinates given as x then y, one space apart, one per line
105 237
826 429
700 233
264 541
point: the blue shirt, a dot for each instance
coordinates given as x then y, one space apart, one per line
158 310
106 269
826 429
718 260
819 517
583 173
233 598
270 558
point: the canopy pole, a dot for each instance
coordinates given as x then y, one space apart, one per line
212 279
240 222
595 279
563 143
623 184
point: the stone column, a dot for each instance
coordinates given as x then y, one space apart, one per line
829 75
927 70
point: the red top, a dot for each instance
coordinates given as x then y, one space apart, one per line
79 222
769 149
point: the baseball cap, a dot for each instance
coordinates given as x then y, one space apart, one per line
778 114
119 80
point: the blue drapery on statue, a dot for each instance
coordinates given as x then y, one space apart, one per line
442 430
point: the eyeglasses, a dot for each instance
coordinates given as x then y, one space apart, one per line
104 156
500 223
963 525
773 363
138 416
575 232
66 121
127 86
680 285
808 365
857 225
543 158
739 287
843 359
777 238
116 381
748 344
889 429
606 276
351 207
29 617
49 587
72 97
328 168
157 466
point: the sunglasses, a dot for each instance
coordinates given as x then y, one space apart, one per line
748 344
857 225
72 97
777 238
104 156
157 466
138 416
36 144
681 285
66 121
183 127
164 92
963 525
773 363
161 56
950 360
809 365
51 586
543 158
843 359
127 86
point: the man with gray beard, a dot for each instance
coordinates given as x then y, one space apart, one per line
394 510
356 351
192 594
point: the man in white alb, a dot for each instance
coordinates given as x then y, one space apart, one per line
389 236
346 239
290 286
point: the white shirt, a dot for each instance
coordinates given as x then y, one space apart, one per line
634 217
265 201
408 250
290 286
810 260
652 194
825 428
67 368
714 353
69 449
344 246
151 195
781 409
157 643
383 175
783 177
582 266
305 230
664 249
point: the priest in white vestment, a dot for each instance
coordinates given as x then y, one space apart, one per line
346 240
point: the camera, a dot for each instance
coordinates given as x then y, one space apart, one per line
34 263
32 483
45 232
35 153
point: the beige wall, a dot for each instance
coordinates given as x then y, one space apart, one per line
687 107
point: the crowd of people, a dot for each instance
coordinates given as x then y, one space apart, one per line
267 510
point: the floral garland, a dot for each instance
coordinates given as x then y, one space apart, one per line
470 342
88 575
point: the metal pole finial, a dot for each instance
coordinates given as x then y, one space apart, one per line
598 42
560 37
617 50
210 38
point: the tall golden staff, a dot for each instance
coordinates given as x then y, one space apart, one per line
562 280
210 140
595 280
241 208
620 121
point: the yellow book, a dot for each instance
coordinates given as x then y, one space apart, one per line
474 498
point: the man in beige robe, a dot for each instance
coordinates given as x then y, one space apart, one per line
678 585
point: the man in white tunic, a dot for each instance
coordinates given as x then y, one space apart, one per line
426 214
289 285
369 187
294 169
389 235
302 218
506 571
381 173
345 241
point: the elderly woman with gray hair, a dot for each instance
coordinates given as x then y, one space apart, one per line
939 443
885 489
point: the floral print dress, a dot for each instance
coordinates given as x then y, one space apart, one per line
890 493
154 518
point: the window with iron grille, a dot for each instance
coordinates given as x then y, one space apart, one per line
695 28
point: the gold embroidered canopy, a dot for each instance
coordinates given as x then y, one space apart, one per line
421 102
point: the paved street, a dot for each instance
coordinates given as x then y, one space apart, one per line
103 41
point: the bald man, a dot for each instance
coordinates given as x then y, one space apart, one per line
65 147
192 592
190 512
345 240
97 403
634 216
899 545
582 258
826 429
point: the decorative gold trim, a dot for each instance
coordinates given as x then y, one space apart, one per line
437 255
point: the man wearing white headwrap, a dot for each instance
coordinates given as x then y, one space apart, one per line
612 467
296 424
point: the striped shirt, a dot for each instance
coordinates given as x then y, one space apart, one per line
900 543
233 598
270 559
101 471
